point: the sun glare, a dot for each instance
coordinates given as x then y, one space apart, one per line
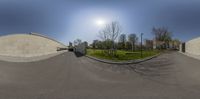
100 22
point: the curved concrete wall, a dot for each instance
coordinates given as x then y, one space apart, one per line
27 45
193 46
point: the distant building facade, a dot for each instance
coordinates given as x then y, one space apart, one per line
158 44
149 44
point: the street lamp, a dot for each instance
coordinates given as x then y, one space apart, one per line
141 45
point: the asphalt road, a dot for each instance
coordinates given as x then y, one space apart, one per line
169 76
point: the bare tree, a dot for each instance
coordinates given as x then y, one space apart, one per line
132 38
77 42
110 32
162 34
103 35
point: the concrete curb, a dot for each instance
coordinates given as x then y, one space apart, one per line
123 62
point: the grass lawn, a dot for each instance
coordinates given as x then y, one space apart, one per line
121 55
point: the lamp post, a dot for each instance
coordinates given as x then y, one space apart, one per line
141 45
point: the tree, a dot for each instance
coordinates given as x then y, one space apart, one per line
86 44
94 43
162 35
70 44
99 44
122 41
128 45
132 38
110 32
176 43
77 42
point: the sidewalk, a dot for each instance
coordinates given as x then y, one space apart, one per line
191 55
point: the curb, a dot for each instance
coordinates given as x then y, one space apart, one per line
123 62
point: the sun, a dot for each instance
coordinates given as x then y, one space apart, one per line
100 22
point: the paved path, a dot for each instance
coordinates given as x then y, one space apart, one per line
170 76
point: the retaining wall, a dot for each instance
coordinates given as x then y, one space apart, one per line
27 45
193 46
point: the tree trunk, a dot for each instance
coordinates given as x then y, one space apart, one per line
132 46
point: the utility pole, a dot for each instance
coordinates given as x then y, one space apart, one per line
141 45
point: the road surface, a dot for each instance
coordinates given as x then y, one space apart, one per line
67 76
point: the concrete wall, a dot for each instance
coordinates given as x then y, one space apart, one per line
27 45
193 46
180 48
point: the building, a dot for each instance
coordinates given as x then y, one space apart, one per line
149 44
158 44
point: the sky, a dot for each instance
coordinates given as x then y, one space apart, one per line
67 20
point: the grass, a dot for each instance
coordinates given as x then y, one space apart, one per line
121 55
